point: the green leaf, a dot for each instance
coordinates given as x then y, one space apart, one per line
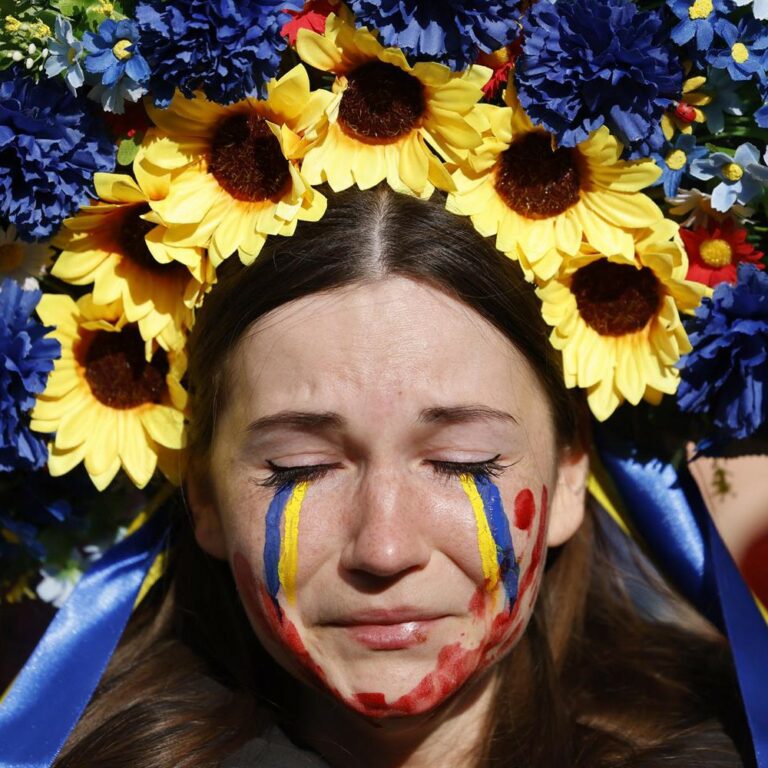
127 150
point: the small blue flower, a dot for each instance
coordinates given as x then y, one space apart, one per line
726 373
676 161
64 54
725 100
229 50
742 49
759 7
587 63
696 21
51 144
449 31
742 176
761 115
115 57
26 359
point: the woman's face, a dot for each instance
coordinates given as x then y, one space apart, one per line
385 480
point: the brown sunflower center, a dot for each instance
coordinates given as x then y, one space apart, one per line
381 102
536 181
615 299
246 159
118 373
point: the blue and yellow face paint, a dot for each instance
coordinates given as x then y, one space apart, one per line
494 538
281 550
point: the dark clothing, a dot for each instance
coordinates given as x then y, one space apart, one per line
273 750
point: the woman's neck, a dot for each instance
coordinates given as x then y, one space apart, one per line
450 736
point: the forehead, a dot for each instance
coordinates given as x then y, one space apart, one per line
390 344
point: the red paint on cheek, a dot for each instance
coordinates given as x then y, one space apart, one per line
477 603
525 509
538 550
260 605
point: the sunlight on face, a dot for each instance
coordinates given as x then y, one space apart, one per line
381 467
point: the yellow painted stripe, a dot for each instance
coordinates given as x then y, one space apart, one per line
485 542
289 553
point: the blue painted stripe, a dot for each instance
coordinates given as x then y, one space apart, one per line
502 536
273 538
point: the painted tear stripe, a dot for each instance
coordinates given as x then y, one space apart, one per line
455 664
281 551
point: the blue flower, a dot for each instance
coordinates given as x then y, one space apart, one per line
761 115
64 54
228 50
676 161
115 57
725 100
51 144
696 20
26 359
449 31
726 373
742 176
586 63
759 7
742 49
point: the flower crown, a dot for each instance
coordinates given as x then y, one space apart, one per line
612 150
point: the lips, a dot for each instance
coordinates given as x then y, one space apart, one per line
389 629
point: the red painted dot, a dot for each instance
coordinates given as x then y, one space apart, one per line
525 509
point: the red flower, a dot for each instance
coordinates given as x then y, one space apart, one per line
716 250
501 62
312 17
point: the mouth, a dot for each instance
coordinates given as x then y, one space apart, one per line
389 629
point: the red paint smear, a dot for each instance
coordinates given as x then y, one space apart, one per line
371 700
525 509
261 606
477 603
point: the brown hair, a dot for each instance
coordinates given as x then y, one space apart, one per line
593 682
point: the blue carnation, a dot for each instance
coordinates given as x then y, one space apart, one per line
696 23
587 63
449 31
726 373
228 50
26 359
51 144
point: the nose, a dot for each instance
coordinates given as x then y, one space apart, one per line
387 531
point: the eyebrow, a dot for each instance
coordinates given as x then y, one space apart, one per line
317 421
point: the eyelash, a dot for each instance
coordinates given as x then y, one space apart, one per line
282 476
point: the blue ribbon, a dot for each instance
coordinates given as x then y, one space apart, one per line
52 690
668 512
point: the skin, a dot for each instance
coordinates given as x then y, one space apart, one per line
382 529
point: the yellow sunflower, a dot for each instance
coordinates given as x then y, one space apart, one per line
384 115
540 201
117 244
235 175
109 406
616 320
